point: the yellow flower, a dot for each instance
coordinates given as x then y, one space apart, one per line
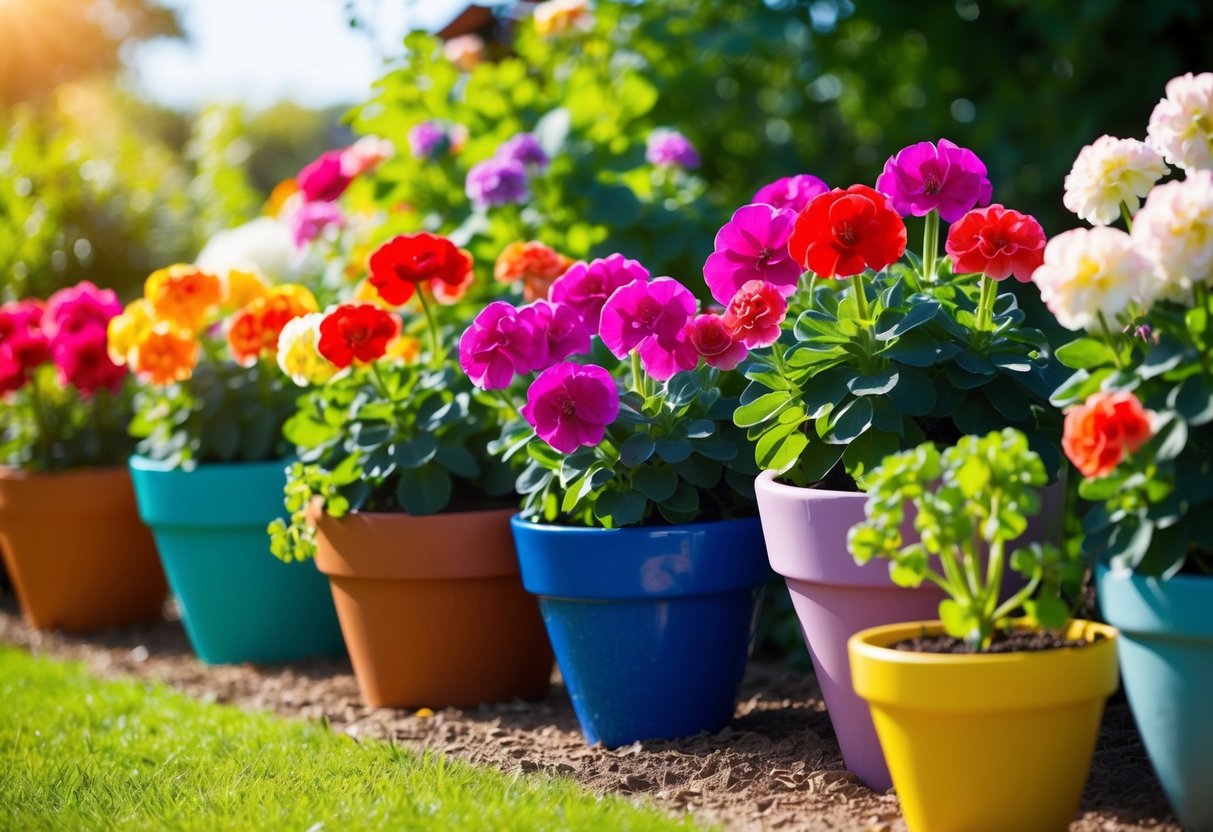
556 17
128 330
406 349
366 293
183 296
240 288
298 354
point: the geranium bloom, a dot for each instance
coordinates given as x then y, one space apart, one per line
1099 432
497 182
714 343
1110 172
1174 229
240 288
586 286
997 242
352 333
84 362
433 139
754 314
559 332
365 155
1089 271
650 317
165 356
465 51
670 149
129 330
264 246
1181 126
299 351
324 179
571 405
405 261
254 330
500 343
183 295
523 148
842 233
556 17
79 307
753 245
19 316
791 193
310 220
925 177
23 344
536 265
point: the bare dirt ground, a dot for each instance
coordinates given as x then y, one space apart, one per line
777 766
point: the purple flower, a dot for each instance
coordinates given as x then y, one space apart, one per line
651 316
669 148
570 405
497 182
791 193
753 245
323 180
559 332
924 177
429 140
586 287
499 343
311 218
523 148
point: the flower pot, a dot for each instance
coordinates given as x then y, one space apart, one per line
433 609
238 602
1166 657
75 550
652 627
806 532
992 742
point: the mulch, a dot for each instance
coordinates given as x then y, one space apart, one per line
776 767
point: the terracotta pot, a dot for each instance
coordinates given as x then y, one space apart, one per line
432 608
75 550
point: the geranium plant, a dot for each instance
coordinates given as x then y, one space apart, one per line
970 502
618 399
1139 421
882 349
63 403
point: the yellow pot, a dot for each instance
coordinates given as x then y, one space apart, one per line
986 743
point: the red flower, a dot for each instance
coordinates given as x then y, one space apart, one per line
411 259
841 233
996 242
356 332
1099 431
754 314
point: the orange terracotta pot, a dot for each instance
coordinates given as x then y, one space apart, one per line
78 555
432 608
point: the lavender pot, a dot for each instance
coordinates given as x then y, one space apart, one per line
806 534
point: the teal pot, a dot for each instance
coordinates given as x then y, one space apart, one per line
238 602
1166 659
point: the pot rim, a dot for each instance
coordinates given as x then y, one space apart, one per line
12 474
873 643
387 516
141 463
517 520
1166 608
766 480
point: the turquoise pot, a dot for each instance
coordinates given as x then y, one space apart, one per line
238 602
1166 658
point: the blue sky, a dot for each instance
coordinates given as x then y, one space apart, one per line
261 51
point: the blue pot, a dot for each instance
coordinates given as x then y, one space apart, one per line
238 602
652 627
1166 659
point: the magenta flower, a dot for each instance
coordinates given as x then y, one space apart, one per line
78 308
497 182
19 316
754 314
924 177
753 245
791 193
714 343
84 362
571 405
585 287
499 343
649 316
670 149
523 148
559 332
323 180
311 218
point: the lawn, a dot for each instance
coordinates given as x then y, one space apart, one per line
79 753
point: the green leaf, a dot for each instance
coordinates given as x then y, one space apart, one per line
458 460
636 449
761 409
424 491
685 499
682 389
673 450
850 421
866 452
914 394
620 508
958 621
778 450
874 385
916 317
1194 400
1085 354
657 482
415 452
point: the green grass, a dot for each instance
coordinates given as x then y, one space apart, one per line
79 753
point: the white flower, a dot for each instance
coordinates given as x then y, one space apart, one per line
263 246
555 17
1108 172
1089 271
1175 230
1181 126
299 353
366 154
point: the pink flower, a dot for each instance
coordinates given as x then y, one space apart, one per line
311 218
649 316
754 314
585 287
78 308
753 245
499 343
23 344
84 362
713 341
791 193
323 180
365 155
559 331
571 405
924 177
19 316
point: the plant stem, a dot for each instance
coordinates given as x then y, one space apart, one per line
985 304
380 384
43 440
638 378
861 299
1124 213
435 338
1201 294
930 247
1111 339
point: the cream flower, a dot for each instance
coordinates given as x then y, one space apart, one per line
1174 229
298 353
264 246
1109 172
1088 271
555 17
1181 126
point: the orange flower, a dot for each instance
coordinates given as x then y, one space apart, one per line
536 265
1100 431
448 294
406 349
283 191
255 329
183 296
165 356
